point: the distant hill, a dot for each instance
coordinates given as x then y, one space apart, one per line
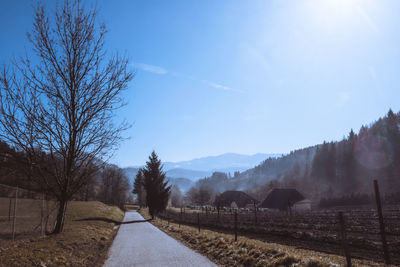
192 170
131 173
202 167
228 162
328 170
274 168
184 184
186 173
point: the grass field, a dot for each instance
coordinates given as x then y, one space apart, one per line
83 243
28 221
222 249
186 210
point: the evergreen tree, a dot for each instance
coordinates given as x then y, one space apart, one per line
349 164
331 163
138 188
156 186
393 137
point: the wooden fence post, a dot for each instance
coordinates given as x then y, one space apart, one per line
381 223
15 214
235 225
47 216
198 221
343 238
42 216
9 210
255 213
180 218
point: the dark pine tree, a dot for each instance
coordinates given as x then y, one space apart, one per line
349 164
156 186
393 136
138 188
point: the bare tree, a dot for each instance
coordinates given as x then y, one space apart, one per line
199 196
138 188
176 196
114 186
60 110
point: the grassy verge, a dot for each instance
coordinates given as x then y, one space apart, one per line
83 243
222 249
187 210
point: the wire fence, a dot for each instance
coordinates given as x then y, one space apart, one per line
361 233
25 213
317 229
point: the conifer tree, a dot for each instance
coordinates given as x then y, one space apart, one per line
349 164
138 187
393 137
156 186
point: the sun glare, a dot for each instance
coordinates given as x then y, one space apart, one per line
340 15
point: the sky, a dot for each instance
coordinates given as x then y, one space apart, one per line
247 77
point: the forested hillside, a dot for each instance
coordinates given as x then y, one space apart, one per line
328 170
107 183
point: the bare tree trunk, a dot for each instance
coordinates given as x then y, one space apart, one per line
87 193
62 208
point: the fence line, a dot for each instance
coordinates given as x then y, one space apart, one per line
24 213
372 233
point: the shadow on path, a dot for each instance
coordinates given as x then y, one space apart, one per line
112 221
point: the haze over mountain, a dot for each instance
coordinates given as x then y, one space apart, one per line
228 162
185 173
202 167
343 169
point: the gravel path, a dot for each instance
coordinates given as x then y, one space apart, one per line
142 244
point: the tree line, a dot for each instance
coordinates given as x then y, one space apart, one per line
337 172
349 166
107 184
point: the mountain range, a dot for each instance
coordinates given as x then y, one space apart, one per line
228 162
185 173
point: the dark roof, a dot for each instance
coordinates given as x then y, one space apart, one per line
241 199
281 198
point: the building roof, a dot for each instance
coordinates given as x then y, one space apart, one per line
239 197
281 198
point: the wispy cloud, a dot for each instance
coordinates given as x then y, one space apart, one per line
162 71
217 86
221 86
151 68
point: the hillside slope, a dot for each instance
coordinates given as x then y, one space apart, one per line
83 243
334 169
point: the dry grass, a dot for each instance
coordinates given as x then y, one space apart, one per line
83 243
28 222
186 210
131 207
222 249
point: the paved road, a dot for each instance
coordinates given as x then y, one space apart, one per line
142 244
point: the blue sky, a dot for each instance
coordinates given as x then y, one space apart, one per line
242 76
